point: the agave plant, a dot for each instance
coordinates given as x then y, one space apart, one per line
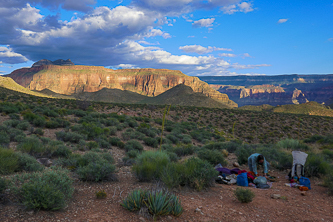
177 208
134 200
158 203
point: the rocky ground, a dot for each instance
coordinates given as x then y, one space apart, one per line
215 204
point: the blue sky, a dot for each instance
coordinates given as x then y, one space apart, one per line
198 37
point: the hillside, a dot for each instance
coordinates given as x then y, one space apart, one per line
183 95
9 83
310 108
77 79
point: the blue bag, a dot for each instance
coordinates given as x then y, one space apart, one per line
305 182
242 180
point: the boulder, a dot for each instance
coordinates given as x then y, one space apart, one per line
45 161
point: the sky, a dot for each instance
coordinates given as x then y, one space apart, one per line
197 37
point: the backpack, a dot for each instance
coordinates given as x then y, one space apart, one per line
242 180
299 171
305 182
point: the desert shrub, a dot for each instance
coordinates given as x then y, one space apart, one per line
39 132
8 161
95 167
131 134
292 144
113 130
103 143
9 108
276 157
327 139
328 182
151 142
28 163
184 150
158 202
114 141
23 125
62 151
39 121
198 173
328 153
14 116
101 194
33 146
187 139
173 157
243 154
212 156
167 147
48 190
4 138
133 153
133 145
92 145
201 134
313 139
174 139
244 195
11 123
172 175
316 165
15 135
69 137
3 185
150 164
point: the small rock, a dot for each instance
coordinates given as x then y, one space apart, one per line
142 219
197 210
169 218
235 164
30 213
276 196
304 193
45 161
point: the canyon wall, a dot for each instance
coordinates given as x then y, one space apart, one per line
76 79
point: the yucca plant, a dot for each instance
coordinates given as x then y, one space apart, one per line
158 203
177 208
134 200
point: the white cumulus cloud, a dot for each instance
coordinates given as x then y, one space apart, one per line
200 49
7 55
282 21
203 23
241 7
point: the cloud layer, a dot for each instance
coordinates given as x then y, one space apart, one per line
113 37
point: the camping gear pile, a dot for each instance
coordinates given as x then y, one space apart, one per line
296 176
241 178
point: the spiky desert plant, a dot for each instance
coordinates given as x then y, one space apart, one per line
134 200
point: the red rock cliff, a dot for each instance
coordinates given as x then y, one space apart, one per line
74 79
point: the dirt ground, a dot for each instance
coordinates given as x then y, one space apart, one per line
217 203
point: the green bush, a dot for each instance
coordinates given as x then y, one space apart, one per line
243 154
328 182
62 151
69 137
151 142
23 125
39 122
150 164
8 161
3 185
313 139
4 138
316 165
33 146
292 144
172 175
184 150
244 195
133 145
199 173
212 156
28 163
48 190
95 167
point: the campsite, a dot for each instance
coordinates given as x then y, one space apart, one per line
125 133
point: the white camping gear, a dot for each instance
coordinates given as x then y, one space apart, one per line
299 159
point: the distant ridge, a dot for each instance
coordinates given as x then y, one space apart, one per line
59 62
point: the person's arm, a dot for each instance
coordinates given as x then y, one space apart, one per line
265 167
254 165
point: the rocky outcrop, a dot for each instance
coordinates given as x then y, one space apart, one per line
59 62
298 97
77 79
